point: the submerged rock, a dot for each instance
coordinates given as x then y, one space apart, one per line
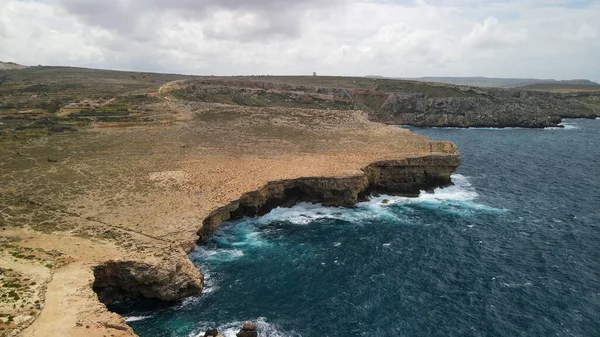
248 330
211 333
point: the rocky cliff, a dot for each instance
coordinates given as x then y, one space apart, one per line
488 108
172 276
406 102
402 177
166 278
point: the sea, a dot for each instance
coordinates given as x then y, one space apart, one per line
511 249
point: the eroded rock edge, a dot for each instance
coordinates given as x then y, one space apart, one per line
174 277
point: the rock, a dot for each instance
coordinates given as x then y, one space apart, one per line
400 177
485 107
166 278
211 333
172 276
248 330
249 326
414 103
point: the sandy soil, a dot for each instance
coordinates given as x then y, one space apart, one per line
71 201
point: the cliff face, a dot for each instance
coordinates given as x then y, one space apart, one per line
491 108
408 103
169 278
403 177
173 276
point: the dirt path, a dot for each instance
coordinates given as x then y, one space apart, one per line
70 310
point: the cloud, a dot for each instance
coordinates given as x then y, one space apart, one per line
243 20
491 34
37 32
584 32
404 38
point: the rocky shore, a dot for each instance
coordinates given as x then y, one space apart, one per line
174 278
402 177
115 211
110 209
406 102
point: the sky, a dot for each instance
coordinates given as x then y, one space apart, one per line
557 39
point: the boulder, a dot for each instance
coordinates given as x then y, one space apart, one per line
248 330
211 333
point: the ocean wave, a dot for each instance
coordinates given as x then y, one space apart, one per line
569 126
460 196
135 318
464 128
264 329
231 242
457 199
216 254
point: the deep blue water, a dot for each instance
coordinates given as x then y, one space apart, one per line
513 249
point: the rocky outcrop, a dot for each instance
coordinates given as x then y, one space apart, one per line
10 66
172 276
248 330
489 108
211 333
406 102
400 177
169 278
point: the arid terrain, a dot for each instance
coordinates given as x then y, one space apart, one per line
99 165
109 178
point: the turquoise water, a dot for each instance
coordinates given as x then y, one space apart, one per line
513 249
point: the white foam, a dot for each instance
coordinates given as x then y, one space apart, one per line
462 190
569 126
218 254
264 329
136 318
517 285
465 128
460 195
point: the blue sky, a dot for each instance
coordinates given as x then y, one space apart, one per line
528 38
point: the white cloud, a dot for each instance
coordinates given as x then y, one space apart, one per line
491 34
583 33
41 33
528 38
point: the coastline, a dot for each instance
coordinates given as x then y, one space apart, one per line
143 202
142 190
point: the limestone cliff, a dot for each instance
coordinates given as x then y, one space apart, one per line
167 278
173 276
405 102
489 108
402 177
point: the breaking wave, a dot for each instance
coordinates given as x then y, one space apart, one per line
445 263
231 241
264 329
459 197
136 318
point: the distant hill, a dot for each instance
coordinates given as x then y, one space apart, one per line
565 87
10 66
488 82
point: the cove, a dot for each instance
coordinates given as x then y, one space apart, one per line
511 249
